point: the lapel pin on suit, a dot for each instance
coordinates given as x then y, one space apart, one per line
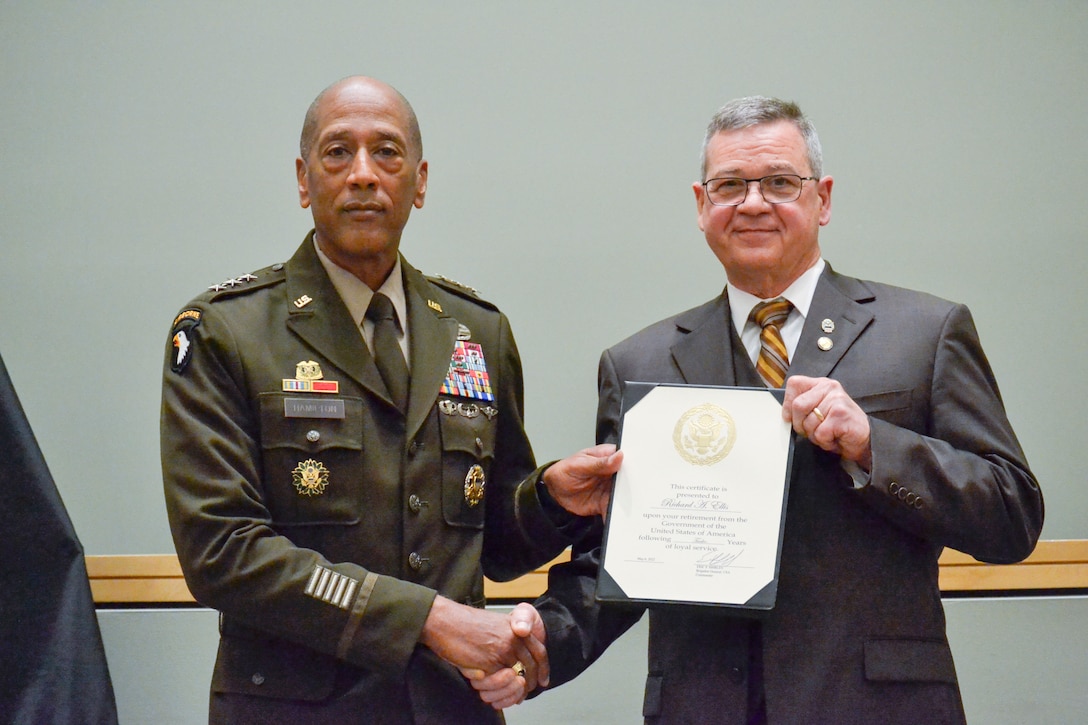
826 343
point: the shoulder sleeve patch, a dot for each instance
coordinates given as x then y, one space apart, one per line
183 339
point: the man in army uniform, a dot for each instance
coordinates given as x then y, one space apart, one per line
344 457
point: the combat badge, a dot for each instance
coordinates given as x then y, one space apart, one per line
309 379
310 477
182 337
474 485
467 376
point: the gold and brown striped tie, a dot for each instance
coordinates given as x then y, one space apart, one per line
773 359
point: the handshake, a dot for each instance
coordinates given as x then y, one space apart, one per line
503 656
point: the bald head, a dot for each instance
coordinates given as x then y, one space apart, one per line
313 113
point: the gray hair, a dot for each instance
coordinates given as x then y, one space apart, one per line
756 110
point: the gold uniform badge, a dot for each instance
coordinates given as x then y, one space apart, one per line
310 477
474 485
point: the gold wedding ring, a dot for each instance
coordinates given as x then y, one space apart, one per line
519 669
816 412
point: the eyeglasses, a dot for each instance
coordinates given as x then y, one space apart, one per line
776 189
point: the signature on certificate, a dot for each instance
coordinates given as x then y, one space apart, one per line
717 561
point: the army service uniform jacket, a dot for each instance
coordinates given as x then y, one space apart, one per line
857 634
320 520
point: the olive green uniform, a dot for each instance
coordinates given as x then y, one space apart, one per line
322 524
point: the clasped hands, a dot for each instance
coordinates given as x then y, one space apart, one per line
487 646
504 656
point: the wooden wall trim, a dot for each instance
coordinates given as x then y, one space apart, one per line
1054 566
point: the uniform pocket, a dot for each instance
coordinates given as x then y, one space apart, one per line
269 667
311 447
468 442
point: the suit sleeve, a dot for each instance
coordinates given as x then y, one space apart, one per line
233 558
964 481
578 628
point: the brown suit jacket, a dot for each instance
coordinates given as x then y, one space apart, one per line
324 587
858 631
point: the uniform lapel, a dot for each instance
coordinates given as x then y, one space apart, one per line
433 335
318 316
837 305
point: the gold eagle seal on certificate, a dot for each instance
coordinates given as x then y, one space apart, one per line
704 435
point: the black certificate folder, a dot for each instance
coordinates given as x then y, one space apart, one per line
699 505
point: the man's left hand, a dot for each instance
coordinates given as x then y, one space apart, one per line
820 410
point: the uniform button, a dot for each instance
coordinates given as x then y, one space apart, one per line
415 446
313 436
479 444
257 679
416 561
736 674
416 504
277 266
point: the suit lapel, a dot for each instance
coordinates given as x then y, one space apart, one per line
705 353
838 300
433 335
318 316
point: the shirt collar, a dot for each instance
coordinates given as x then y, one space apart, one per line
356 294
799 293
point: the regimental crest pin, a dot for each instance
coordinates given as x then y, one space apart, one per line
309 379
474 485
310 477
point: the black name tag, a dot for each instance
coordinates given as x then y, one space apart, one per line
311 408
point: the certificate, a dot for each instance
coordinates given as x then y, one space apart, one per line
697 512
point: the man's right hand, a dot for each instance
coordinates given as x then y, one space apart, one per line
481 643
505 688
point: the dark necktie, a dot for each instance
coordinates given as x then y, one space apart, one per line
773 359
387 353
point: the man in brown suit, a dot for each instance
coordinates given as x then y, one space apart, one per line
338 504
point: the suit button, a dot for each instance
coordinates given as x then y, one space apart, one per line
415 504
736 674
257 679
416 561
